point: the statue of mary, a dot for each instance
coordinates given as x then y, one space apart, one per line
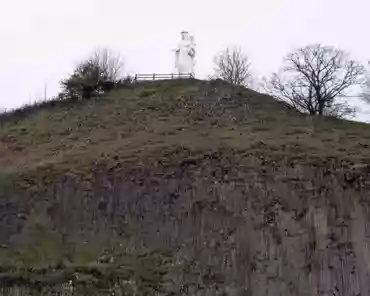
185 54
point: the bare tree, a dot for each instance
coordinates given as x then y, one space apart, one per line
94 76
314 78
233 66
109 63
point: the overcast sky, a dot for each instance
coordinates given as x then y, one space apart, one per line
42 40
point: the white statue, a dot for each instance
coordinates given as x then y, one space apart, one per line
185 54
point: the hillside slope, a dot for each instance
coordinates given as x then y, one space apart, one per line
237 194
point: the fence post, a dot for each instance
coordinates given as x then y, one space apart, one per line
153 76
172 76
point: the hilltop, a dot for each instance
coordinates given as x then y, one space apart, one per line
233 190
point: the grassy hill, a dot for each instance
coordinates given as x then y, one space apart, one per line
183 187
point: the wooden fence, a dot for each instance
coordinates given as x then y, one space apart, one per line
141 77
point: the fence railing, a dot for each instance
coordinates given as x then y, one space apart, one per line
140 77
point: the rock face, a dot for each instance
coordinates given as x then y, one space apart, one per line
259 237
243 203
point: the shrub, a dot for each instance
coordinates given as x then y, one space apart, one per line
95 76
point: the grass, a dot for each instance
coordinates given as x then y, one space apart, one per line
178 165
125 123
144 273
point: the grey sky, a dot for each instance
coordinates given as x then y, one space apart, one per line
42 40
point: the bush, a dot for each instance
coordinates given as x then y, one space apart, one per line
95 76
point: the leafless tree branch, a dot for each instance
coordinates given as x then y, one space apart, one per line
233 66
108 62
95 75
314 77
